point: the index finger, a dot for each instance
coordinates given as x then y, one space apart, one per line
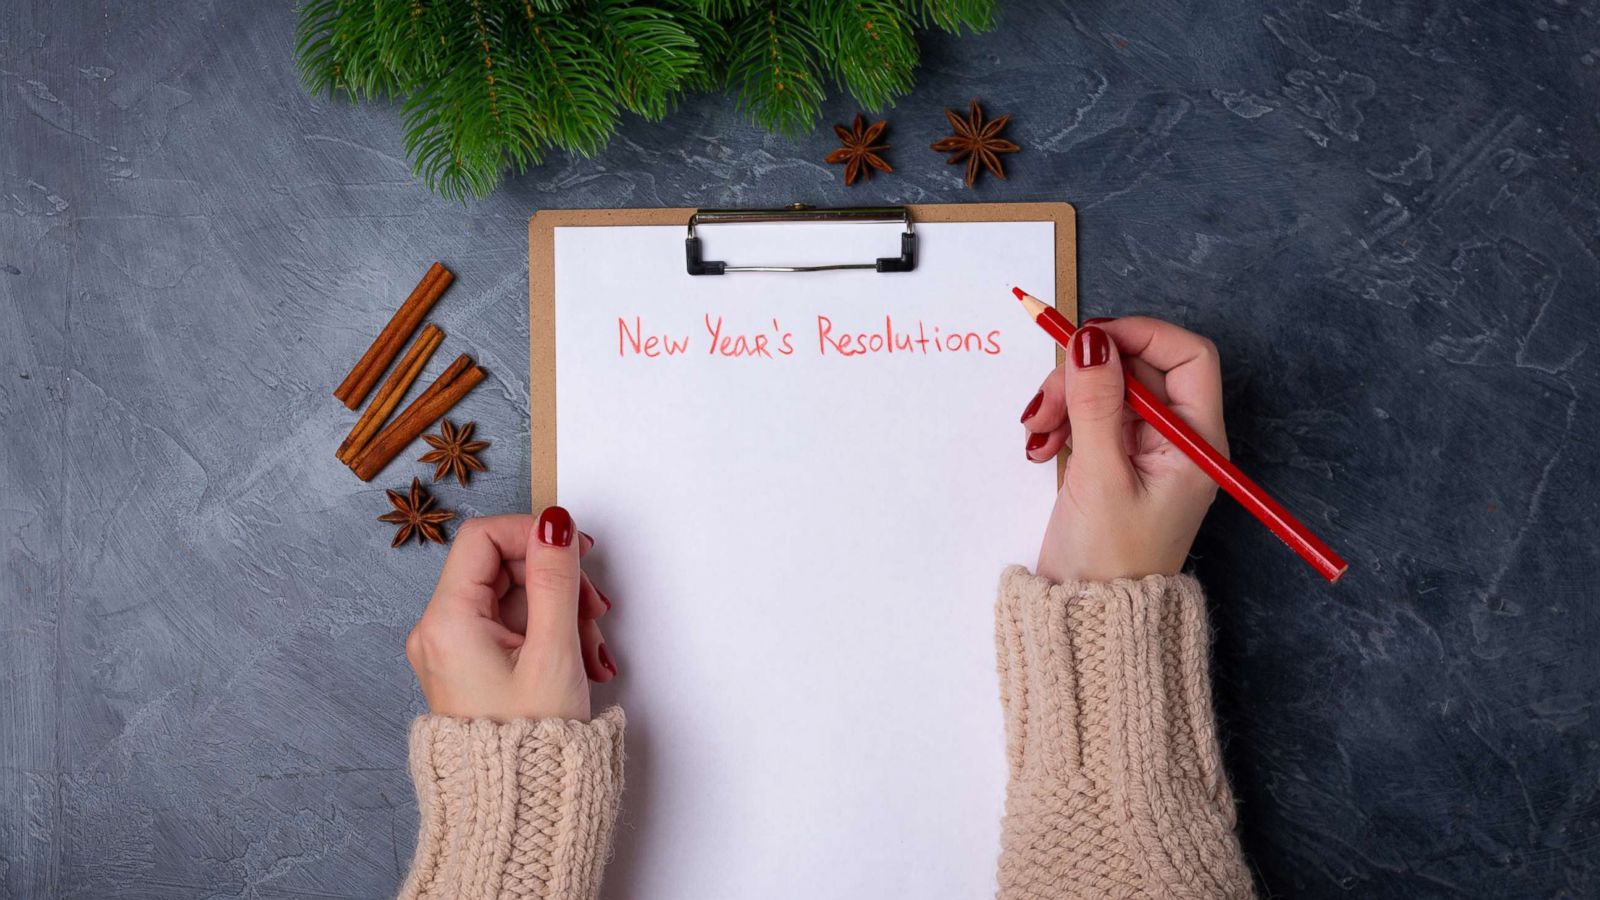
1190 362
475 565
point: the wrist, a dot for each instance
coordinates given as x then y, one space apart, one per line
1101 555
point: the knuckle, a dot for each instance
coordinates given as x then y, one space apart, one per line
430 638
1099 399
552 581
416 644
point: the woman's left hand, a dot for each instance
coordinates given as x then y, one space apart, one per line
511 631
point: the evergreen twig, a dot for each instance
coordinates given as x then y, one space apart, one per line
492 85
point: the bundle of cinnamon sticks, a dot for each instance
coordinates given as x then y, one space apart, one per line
375 441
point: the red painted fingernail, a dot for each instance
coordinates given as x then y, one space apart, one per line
1098 319
605 658
1033 406
1091 348
555 527
1035 441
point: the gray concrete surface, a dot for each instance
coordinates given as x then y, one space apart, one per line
1386 214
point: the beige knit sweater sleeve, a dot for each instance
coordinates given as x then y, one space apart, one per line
1116 785
515 809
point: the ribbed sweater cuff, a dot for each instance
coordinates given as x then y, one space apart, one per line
1118 662
1116 780
514 809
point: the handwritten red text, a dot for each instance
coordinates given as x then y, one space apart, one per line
637 342
890 339
758 344
732 339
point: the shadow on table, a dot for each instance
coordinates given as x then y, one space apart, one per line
625 878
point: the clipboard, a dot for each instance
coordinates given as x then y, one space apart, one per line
802 546
541 281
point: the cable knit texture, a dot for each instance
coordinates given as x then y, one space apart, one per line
1116 785
514 809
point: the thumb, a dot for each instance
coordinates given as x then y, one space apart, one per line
552 579
1094 404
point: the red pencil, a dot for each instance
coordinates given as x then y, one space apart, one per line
1227 475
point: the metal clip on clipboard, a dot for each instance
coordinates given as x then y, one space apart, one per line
799 212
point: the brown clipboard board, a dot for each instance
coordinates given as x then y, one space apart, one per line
542 298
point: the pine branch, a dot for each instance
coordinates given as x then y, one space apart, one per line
314 51
475 117
951 15
337 51
651 55
574 107
410 37
870 47
775 68
712 42
490 85
726 9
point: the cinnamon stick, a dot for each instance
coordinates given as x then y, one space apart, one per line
428 408
357 459
395 387
455 370
355 387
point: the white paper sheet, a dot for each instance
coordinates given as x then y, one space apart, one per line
803 549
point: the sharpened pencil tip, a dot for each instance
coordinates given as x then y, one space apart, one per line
1019 292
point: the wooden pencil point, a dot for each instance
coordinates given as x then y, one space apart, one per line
1032 304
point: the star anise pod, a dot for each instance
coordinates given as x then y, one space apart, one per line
414 514
454 452
976 141
860 151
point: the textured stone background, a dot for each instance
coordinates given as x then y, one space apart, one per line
1386 214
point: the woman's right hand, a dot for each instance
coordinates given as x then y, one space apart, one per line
1131 502
511 630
